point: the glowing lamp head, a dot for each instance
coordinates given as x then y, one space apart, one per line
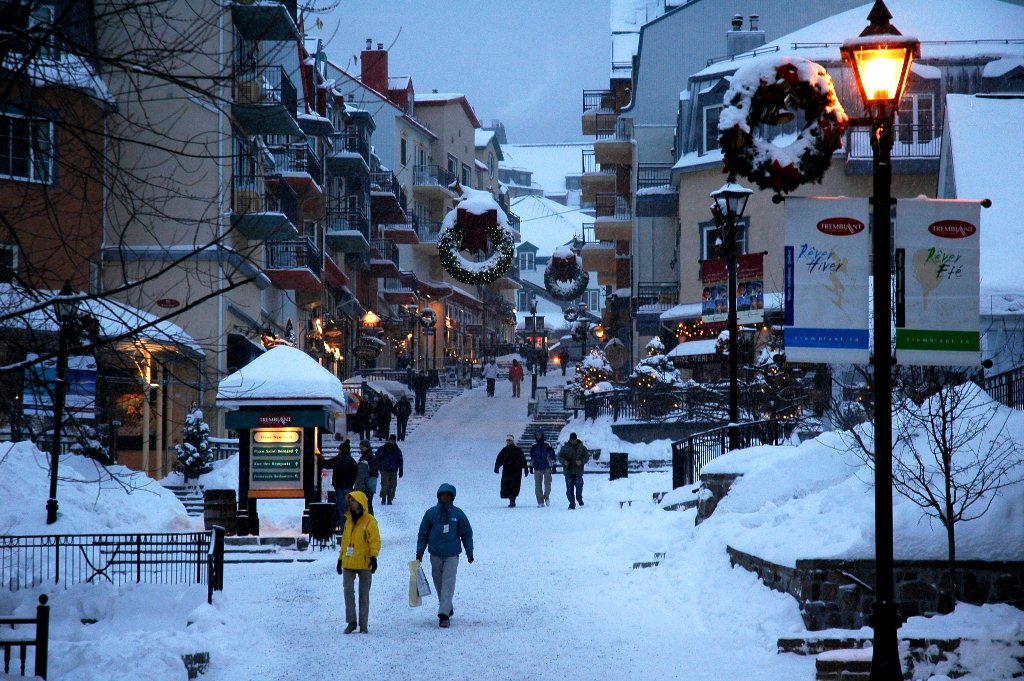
880 57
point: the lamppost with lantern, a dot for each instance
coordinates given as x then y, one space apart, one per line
881 57
727 207
578 316
66 311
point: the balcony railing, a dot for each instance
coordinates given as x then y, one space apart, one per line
385 248
294 254
432 175
347 219
656 295
387 182
618 129
265 84
911 141
352 140
653 175
513 220
609 205
428 231
602 100
590 237
281 199
296 157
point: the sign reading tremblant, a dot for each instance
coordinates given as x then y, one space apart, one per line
937 282
826 280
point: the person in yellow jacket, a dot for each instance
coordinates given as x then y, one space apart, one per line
360 546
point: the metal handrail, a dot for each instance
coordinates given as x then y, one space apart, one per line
294 254
690 455
911 141
612 205
427 175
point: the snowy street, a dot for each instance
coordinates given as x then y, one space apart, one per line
551 594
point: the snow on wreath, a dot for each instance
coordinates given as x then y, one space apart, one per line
564 277
477 220
771 92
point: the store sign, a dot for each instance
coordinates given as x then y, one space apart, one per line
275 420
276 459
826 280
937 282
168 303
80 396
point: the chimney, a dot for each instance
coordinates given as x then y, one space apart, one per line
738 41
374 65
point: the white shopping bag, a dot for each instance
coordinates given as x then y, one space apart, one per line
414 594
422 585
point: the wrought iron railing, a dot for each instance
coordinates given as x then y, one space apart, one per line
1006 388
263 84
27 561
15 644
696 403
353 140
428 231
656 295
513 220
911 141
611 205
430 175
602 100
223 447
294 254
613 128
341 219
590 236
690 455
296 157
385 248
386 182
653 175
281 199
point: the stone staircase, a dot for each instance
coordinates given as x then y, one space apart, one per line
191 497
549 416
250 550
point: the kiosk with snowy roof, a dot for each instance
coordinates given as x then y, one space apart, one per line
280 402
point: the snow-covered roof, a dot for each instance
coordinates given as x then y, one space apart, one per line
283 375
435 98
483 137
982 129
546 223
115 319
549 163
705 346
68 70
946 31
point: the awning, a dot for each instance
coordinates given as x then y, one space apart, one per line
694 348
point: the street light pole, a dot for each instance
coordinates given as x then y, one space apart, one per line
64 312
727 208
881 58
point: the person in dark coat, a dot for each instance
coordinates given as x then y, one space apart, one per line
392 467
420 389
444 532
367 473
573 456
563 359
512 463
364 417
542 458
343 477
383 414
402 410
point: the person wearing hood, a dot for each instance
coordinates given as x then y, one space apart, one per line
360 546
367 473
444 531
542 458
512 463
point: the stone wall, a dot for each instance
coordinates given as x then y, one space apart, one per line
829 599
713 489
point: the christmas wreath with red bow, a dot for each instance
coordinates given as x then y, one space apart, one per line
466 230
564 277
772 92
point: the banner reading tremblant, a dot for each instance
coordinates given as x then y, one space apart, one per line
826 280
749 291
937 282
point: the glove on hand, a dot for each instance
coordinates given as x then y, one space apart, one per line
469 558
373 564
339 566
419 557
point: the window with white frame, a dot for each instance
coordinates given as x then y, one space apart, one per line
467 176
915 121
709 234
710 141
8 262
26 148
527 260
592 297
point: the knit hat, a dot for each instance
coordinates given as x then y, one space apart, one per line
364 443
510 436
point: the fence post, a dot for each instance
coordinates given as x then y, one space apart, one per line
138 558
42 636
56 560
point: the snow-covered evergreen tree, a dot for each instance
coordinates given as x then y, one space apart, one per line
594 373
655 371
194 454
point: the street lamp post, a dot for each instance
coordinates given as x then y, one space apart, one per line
65 310
727 207
881 58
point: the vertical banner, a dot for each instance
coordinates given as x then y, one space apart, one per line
749 291
937 282
80 398
826 280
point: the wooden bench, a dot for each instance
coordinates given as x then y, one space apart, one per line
20 645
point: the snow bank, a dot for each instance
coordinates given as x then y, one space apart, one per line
92 499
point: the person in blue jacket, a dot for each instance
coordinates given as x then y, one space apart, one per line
444 531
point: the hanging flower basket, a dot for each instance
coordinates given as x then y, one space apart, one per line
564 277
469 231
771 92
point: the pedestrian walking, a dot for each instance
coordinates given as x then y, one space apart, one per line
364 417
444 531
367 473
420 390
512 463
360 546
573 457
491 375
563 359
542 458
343 478
389 460
383 417
402 409
515 374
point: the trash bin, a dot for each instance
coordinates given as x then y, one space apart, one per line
321 525
618 465
219 509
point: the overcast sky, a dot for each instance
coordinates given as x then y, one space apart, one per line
524 62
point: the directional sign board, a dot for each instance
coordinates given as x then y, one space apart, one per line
276 459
